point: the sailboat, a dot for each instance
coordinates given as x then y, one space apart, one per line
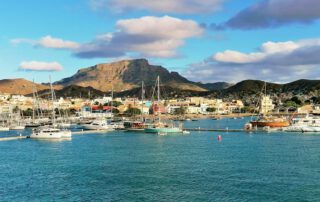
160 127
33 123
137 125
50 131
265 120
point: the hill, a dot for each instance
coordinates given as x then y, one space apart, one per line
215 86
126 75
250 87
19 86
73 92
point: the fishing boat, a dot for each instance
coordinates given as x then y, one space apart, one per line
159 126
266 120
270 121
135 125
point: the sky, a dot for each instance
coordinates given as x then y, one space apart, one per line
204 40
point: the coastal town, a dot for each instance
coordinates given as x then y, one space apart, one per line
27 109
164 100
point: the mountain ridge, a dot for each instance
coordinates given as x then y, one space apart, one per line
125 75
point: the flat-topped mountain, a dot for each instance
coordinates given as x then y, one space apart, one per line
20 86
126 75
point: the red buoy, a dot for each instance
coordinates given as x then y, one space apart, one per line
219 138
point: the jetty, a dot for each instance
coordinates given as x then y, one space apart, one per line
12 138
215 130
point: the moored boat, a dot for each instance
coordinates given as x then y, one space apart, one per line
269 121
98 125
3 128
307 123
46 133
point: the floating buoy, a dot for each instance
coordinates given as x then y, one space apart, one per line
219 138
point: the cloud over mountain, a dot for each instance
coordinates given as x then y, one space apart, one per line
146 36
274 13
274 61
161 6
40 66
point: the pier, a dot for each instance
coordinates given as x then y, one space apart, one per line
215 130
12 138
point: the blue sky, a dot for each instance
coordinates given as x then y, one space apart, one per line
204 40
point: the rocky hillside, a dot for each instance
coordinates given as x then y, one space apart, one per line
19 86
126 75
215 86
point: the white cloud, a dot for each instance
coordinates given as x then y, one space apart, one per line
22 40
47 42
160 6
40 66
266 50
146 36
56 43
274 61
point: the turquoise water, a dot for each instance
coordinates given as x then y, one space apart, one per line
122 166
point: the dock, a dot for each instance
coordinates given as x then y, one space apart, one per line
83 132
12 138
215 130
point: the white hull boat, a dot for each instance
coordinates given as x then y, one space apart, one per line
66 134
4 128
304 124
98 125
46 133
17 127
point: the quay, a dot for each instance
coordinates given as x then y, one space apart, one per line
12 138
215 130
83 132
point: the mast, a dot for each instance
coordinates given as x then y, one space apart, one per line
142 98
158 81
53 111
33 101
265 97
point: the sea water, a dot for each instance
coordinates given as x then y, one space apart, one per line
127 166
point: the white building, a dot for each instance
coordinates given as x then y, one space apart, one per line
266 104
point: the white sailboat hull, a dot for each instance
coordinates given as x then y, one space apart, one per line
40 135
96 127
17 127
66 134
4 129
50 133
